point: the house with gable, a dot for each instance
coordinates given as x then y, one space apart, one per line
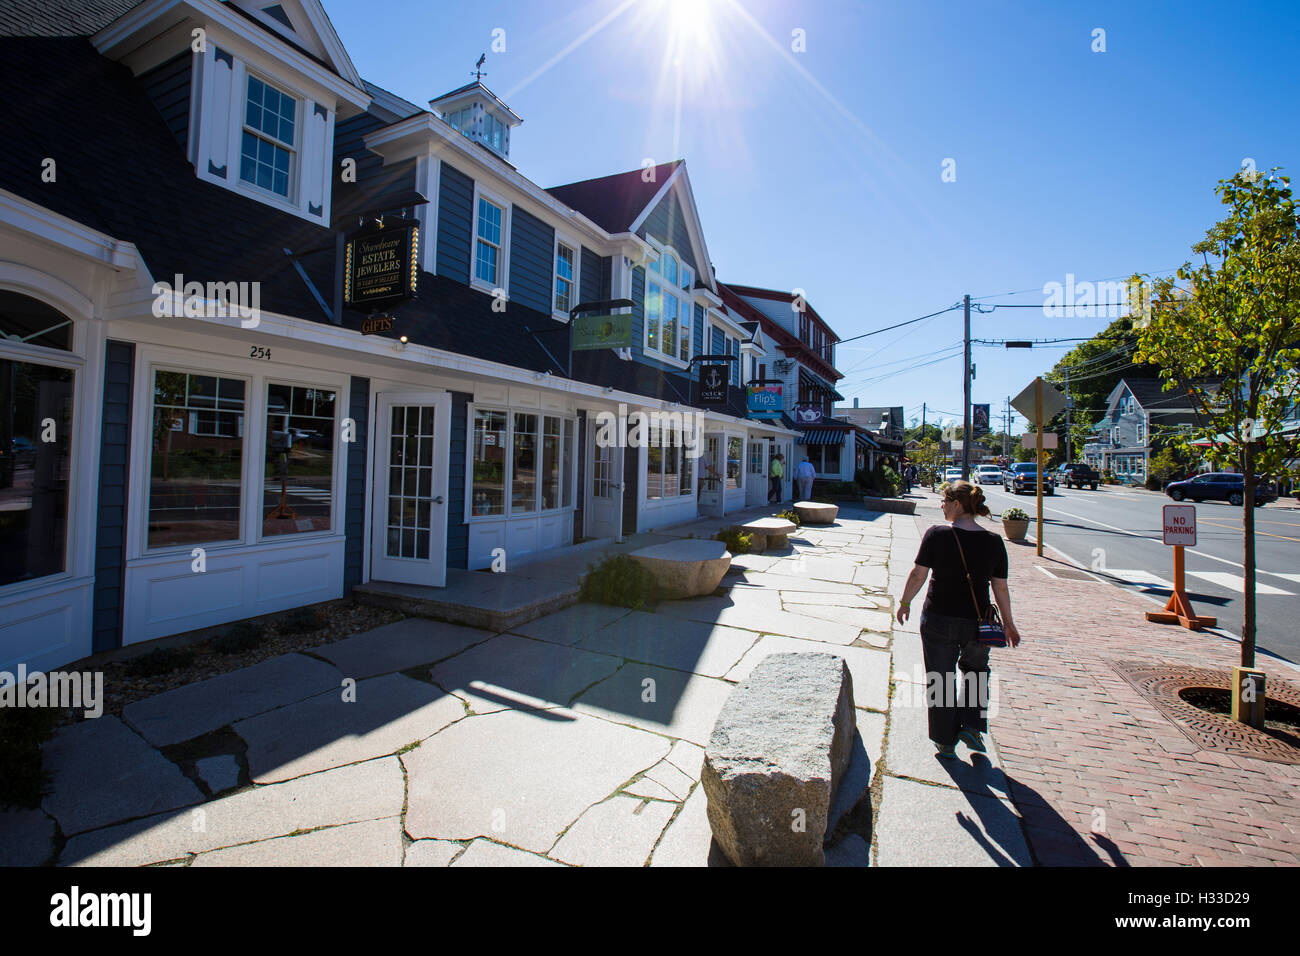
802 359
229 437
1138 410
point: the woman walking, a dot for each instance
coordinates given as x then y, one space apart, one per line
954 605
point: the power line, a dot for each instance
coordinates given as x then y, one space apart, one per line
888 328
1039 289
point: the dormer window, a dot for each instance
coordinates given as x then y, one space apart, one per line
267 149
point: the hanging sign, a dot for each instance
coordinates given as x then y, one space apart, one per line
714 381
602 332
381 266
764 401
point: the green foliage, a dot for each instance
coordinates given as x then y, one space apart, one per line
160 660
1024 454
833 489
23 776
243 636
930 433
737 541
1015 514
1226 336
621 581
299 621
791 516
1096 366
1166 465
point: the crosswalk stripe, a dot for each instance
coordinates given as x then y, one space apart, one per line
1235 582
1139 577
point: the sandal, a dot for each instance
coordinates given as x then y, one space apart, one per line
974 740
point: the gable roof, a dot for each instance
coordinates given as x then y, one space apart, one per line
776 295
615 202
786 342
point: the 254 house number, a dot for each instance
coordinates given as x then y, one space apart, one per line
259 352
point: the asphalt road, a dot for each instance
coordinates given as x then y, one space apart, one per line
1116 533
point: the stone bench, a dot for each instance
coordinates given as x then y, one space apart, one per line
767 533
687 568
778 751
816 512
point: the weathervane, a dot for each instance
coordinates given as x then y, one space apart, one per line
478 67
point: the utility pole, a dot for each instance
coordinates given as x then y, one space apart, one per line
1006 426
965 432
1069 445
922 421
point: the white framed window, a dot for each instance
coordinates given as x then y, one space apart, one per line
566 276
235 454
268 145
670 464
520 462
669 307
490 241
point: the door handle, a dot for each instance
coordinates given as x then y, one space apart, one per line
438 500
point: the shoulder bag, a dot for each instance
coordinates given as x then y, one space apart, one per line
991 632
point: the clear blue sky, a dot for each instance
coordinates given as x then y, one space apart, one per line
822 169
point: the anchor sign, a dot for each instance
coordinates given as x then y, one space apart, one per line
714 380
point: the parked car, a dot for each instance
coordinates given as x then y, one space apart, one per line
988 475
1023 476
1220 486
1079 474
952 474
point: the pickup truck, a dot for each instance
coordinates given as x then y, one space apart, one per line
1080 474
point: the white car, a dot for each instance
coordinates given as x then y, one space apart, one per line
952 474
988 475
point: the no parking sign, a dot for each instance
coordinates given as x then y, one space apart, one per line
1180 525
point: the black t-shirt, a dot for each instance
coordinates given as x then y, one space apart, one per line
949 594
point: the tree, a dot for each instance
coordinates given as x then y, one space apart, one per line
1235 319
1095 368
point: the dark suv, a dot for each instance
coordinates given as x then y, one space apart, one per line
1220 486
1080 474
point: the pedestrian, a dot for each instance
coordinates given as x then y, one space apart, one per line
776 474
965 560
804 473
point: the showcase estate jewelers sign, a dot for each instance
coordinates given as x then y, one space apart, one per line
381 266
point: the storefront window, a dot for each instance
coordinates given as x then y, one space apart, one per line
32 322
566 472
735 449
654 466
196 467
672 464
550 463
688 467
298 483
35 466
489 495
523 478
756 458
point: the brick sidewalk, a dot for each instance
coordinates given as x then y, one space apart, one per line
1080 746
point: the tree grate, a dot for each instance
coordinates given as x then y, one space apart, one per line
1161 685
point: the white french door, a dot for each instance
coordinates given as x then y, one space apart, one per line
408 539
712 478
605 501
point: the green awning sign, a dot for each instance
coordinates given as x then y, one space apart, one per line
602 332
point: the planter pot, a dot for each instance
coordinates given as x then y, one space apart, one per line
1015 528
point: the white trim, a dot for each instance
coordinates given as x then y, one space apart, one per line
575 293
503 260
41 223
686 303
509 409
257 375
694 229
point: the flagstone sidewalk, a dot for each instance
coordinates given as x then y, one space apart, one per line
576 738
1098 774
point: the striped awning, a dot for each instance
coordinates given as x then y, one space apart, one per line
866 441
822 436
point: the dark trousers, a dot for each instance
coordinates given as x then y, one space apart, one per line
954 703
774 490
